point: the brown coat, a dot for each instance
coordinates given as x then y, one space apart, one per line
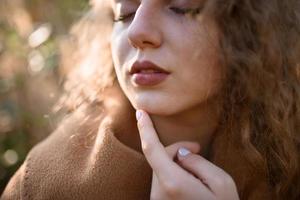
64 166
78 164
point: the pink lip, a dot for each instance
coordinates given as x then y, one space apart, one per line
147 78
146 65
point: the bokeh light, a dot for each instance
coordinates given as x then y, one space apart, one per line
10 157
31 33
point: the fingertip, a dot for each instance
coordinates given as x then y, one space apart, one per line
183 151
142 119
138 114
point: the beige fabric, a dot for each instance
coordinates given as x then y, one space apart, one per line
66 166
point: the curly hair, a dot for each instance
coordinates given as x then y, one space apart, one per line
260 46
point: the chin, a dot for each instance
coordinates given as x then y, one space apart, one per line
155 108
156 104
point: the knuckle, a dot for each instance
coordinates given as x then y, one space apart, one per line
141 127
146 147
224 182
172 188
219 182
229 181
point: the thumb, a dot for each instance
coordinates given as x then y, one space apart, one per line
172 149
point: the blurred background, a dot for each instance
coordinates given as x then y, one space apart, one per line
32 35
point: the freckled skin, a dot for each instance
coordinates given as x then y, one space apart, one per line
184 106
184 46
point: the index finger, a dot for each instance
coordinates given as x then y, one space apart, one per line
154 151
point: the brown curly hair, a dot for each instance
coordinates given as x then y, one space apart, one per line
260 42
261 46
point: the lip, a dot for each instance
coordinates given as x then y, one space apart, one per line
138 66
144 78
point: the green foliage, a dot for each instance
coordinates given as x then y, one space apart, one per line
29 78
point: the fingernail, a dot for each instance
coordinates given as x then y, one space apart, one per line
183 151
138 114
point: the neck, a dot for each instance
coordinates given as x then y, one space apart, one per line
197 124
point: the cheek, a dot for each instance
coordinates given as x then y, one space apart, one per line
119 48
208 74
196 68
201 71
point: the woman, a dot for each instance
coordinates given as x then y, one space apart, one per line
216 89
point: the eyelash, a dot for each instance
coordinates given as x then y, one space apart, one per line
184 11
180 11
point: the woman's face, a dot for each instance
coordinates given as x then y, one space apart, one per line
159 32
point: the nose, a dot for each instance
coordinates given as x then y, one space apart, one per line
144 30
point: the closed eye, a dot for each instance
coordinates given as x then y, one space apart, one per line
180 11
183 11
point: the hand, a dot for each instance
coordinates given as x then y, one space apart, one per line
193 177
